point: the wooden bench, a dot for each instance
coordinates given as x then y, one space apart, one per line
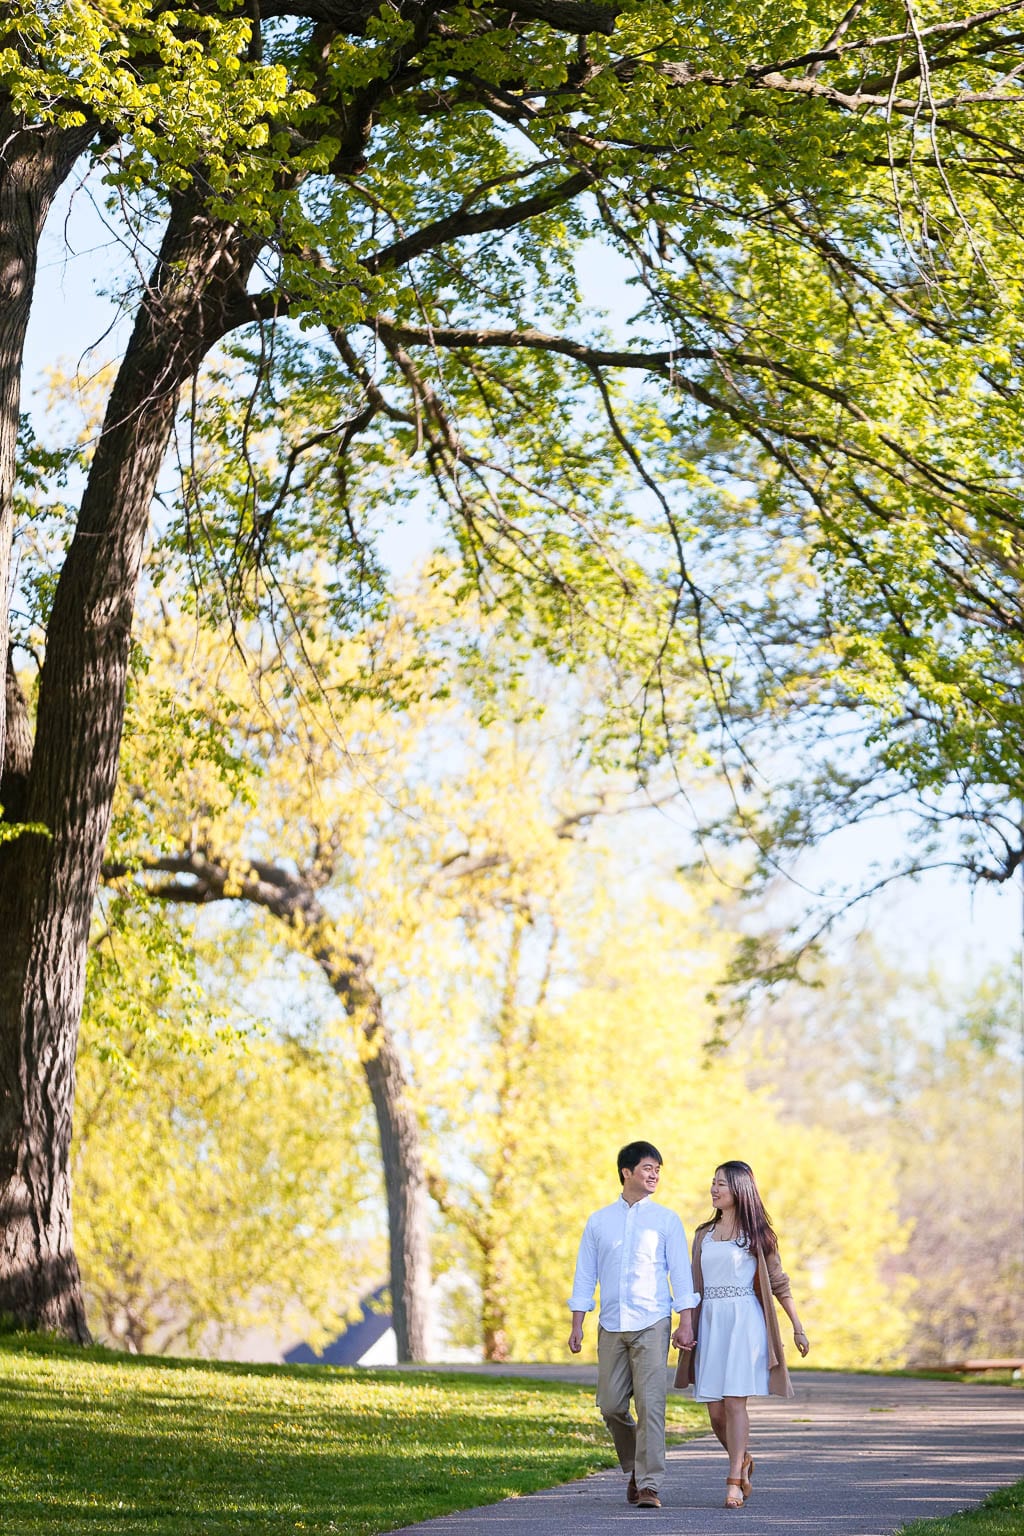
974 1365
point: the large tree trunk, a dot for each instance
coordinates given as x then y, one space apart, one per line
48 881
36 1260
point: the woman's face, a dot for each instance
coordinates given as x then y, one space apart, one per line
721 1195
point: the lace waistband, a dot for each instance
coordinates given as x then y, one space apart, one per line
716 1292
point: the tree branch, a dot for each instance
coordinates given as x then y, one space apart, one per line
457 225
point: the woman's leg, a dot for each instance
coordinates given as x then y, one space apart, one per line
716 1413
737 1433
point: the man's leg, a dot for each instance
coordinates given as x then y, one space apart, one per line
614 1388
648 1358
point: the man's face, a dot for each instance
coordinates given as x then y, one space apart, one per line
641 1180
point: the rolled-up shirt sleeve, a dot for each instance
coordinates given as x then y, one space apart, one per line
680 1275
584 1282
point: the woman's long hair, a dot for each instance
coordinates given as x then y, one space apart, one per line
753 1224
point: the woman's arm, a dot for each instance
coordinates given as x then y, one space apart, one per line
784 1296
800 1338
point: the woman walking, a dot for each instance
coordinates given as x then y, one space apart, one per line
736 1271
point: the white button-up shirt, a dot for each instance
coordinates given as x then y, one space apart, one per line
637 1255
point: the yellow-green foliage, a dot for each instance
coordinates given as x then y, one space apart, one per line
213 1161
920 1071
624 1059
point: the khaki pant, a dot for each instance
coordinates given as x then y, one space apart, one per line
634 1365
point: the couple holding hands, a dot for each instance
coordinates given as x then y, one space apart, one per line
728 1330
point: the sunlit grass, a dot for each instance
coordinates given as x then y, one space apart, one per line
99 1444
1002 1514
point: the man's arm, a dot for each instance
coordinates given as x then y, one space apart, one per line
680 1278
684 1336
584 1285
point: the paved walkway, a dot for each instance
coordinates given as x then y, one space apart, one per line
848 1456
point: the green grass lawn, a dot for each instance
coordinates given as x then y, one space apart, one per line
1002 1514
100 1444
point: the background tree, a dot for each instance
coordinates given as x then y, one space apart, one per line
373 835
926 1073
965 1183
308 814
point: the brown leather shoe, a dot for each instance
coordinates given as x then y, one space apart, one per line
647 1498
632 1492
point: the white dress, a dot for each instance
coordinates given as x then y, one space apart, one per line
732 1338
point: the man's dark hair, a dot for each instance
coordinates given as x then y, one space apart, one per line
635 1152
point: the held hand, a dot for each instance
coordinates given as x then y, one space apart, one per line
801 1341
576 1340
683 1339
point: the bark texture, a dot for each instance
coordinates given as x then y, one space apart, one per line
38 1275
48 879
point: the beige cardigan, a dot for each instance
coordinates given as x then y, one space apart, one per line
769 1281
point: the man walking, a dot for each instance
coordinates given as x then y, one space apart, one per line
636 1252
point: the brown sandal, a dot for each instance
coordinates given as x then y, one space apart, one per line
732 1503
746 1475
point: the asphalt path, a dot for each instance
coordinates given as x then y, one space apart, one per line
848 1456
